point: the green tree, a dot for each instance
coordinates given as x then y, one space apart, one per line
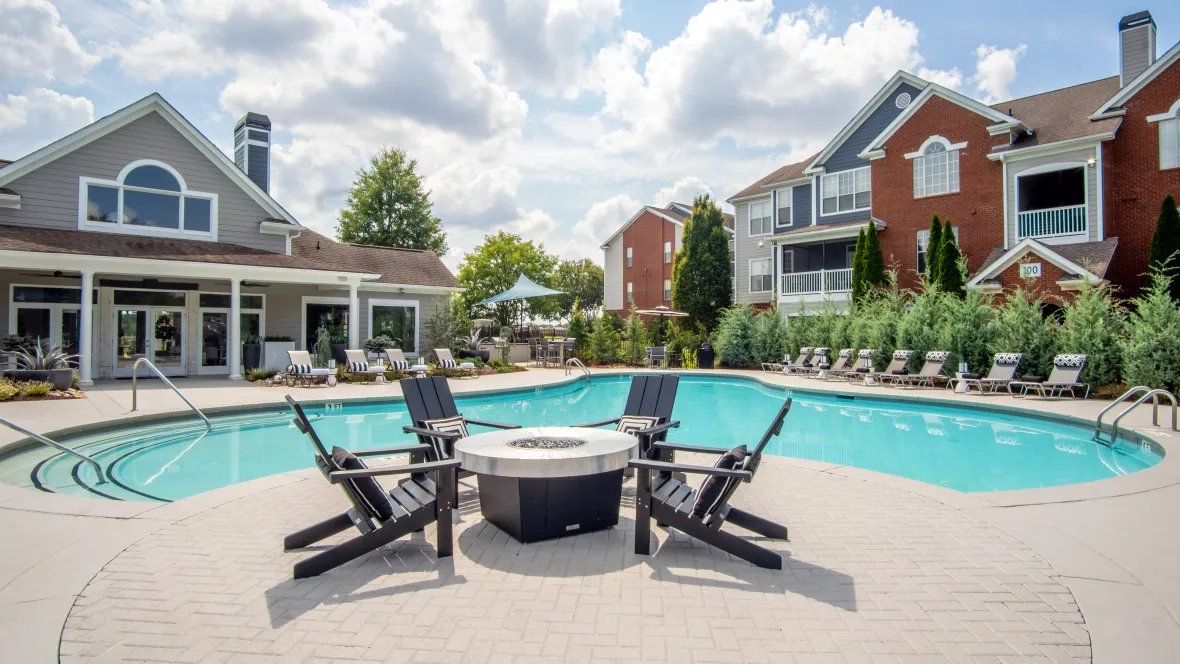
933 247
493 267
635 339
769 339
604 345
735 333
1093 323
874 261
388 207
578 331
581 283
1165 244
967 330
1021 328
443 327
858 268
951 279
918 329
1151 355
701 283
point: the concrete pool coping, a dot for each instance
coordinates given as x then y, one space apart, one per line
1118 562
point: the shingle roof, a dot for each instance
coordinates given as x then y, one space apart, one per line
1062 114
788 172
85 243
1093 256
8 192
5 162
396 266
836 224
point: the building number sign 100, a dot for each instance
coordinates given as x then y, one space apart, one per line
1030 270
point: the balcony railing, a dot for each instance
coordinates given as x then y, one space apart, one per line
1069 220
819 281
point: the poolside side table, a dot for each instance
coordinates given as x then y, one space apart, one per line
539 483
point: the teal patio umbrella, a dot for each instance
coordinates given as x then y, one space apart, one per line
523 289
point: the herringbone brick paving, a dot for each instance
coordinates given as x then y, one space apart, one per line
871 574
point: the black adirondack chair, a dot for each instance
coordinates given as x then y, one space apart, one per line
650 396
660 495
381 516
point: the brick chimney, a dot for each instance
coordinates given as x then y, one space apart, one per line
252 148
1136 45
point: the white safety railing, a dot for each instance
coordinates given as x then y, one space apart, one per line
134 387
53 443
575 363
819 281
1068 220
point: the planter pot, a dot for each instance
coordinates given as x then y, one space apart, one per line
338 353
251 356
61 378
481 354
274 354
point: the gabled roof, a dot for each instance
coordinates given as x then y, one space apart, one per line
1112 105
124 116
1084 260
999 121
785 174
1063 114
669 213
862 115
408 267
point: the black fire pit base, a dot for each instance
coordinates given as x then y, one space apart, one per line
534 509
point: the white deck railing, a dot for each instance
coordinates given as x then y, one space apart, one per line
1069 220
819 281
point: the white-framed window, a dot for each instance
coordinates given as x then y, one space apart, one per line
629 256
787 264
1169 123
214 311
397 319
667 253
936 168
760 275
785 197
924 243
846 191
630 292
148 198
667 290
761 223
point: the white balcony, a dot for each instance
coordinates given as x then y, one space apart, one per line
1052 222
819 282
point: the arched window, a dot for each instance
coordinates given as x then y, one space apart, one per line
148 198
936 167
1169 123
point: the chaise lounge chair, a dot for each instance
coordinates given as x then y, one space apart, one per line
863 358
802 363
894 370
357 367
1003 371
648 412
819 359
381 516
398 362
839 366
302 372
930 373
447 361
1066 370
777 367
701 513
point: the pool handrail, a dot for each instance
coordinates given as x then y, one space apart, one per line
53 443
134 399
574 362
1154 395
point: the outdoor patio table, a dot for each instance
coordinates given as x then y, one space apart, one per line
543 482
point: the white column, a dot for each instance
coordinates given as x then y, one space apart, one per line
354 317
86 330
235 329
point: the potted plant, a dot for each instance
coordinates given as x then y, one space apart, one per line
339 345
376 346
470 345
251 351
274 351
321 352
42 363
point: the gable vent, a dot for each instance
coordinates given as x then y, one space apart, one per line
902 100
252 148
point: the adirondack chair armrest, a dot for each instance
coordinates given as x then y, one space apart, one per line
645 464
593 425
445 435
494 425
339 476
401 449
659 428
689 448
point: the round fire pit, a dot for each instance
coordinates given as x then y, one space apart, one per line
546 443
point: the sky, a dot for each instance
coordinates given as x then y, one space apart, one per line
553 120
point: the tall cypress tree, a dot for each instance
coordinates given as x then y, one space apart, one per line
950 279
858 268
874 261
1166 243
933 246
701 285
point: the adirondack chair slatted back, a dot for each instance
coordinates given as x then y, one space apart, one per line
1067 369
328 465
1004 366
752 460
429 399
652 396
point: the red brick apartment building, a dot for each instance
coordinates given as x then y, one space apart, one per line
1051 189
638 257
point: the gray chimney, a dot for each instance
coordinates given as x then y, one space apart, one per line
1136 45
252 148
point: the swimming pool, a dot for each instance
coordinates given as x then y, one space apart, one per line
965 449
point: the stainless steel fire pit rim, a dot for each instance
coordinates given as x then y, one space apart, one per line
490 454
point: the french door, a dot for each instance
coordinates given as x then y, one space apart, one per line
155 333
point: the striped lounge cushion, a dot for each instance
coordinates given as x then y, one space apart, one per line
358 366
454 424
446 364
299 369
399 365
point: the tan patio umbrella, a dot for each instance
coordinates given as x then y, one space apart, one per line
661 311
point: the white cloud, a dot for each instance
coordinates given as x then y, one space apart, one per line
684 191
36 47
951 78
995 71
38 117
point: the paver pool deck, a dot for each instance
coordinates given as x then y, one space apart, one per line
878 568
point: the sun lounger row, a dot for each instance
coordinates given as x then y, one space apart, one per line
357 367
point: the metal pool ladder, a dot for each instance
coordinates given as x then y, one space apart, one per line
135 375
573 363
1149 393
53 443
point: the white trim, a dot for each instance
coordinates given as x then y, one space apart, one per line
1056 146
198 342
1170 114
790 193
382 287
1010 257
1101 220
890 86
413 304
837 175
313 299
10 201
128 114
815 199
779 185
647 208
628 256
119 227
950 147
825 232
1049 168
1004 173
279 228
1139 82
749 217
1001 122
750 274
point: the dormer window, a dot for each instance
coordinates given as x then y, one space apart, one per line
1169 123
936 167
148 198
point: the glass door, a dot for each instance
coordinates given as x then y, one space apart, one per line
153 333
131 341
168 341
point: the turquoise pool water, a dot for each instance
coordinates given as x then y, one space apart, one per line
960 448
